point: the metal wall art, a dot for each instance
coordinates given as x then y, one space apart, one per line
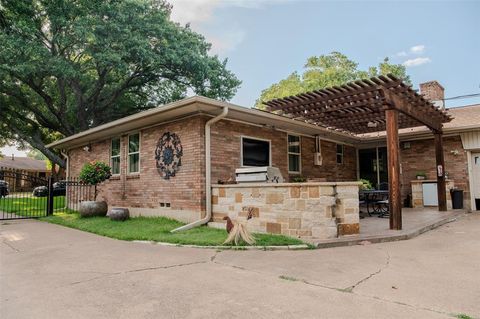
168 155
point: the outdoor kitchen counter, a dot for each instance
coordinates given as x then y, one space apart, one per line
311 209
355 183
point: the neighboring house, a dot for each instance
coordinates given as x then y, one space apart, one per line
159 156
26 169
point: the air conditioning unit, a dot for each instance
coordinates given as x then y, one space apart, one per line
317 157
262 174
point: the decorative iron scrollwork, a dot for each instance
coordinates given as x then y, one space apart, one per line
168 154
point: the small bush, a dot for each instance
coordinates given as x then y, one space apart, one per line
299 179
95 172
366 184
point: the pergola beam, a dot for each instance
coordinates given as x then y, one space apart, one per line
412 111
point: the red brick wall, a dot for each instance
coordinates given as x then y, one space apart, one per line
226 145
184 192
329 171
421 157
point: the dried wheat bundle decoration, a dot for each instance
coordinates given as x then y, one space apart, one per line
238 232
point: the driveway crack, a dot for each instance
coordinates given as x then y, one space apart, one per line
373 274
165 267
11 246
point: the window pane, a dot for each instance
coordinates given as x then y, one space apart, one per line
339 149
255 152
293 138
293 163
133 143
115 147
339 159
133 163
116 165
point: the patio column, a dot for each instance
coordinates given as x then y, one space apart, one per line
441 191
395 202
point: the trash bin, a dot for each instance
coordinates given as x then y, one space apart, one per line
457 198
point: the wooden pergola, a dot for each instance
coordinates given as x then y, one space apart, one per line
377 104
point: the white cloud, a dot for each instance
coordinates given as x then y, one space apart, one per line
416 61
200 14
195 11
417 49
401 53
227 41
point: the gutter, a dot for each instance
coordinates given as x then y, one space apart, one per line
208 174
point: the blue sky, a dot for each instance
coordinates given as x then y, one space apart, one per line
266 40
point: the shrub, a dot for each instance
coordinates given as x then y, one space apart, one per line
366 184
299 179
94 173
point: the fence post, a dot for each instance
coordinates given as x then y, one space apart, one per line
50 196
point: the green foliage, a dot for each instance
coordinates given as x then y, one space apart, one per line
325 71
95 172
158 229
299 179
67 66
36 154
421 173
366 184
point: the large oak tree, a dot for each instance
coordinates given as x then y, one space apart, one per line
67 66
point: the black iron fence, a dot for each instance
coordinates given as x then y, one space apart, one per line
29 196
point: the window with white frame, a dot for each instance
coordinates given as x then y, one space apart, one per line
255 152
134 153
115 156
294 154
340 150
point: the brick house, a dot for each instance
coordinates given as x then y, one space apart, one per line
151 181
23 171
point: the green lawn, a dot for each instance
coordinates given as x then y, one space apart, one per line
24 204
158 229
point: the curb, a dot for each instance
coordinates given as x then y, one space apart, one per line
387 238
288 247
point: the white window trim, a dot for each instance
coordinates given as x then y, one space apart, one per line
119 154
128 153
293 153
342 153
258 139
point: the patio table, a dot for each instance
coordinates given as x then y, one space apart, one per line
372 197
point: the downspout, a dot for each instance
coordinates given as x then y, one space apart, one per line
208 174
67 175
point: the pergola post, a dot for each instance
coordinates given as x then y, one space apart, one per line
395 202
441 187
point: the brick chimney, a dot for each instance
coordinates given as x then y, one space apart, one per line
433 92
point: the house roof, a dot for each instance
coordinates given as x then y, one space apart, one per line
197 105
465 118
23 163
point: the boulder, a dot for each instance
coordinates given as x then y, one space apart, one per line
92 208
119 214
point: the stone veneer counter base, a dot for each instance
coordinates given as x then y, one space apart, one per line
320 210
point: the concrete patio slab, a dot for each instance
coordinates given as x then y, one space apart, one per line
376 230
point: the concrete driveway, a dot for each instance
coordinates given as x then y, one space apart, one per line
48 271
